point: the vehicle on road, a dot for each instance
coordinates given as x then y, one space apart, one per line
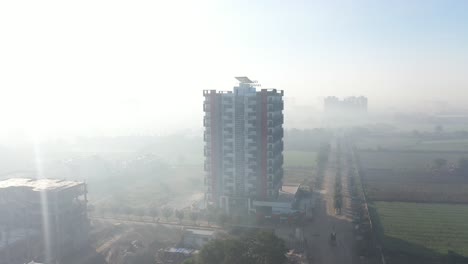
333 238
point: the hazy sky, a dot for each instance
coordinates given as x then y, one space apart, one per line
107 66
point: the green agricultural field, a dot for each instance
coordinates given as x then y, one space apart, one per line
411 143
295 158
443 145
405 160
422 228
298 165
387 143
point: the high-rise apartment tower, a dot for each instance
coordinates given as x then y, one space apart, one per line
243 145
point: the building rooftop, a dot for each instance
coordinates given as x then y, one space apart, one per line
38 185
201 232
291 189
244 79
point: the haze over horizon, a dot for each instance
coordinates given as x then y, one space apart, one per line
102 67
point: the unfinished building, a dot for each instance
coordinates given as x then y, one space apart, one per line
43 220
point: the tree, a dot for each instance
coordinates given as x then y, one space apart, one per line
212 253
179 214
210 214
267 248
222 219
439 164
141 257
91 208
190 261
229 251
104 210
237 251
260 247
128 211
194 216
153 211
140 212
115 210
463 167
167 212
439 129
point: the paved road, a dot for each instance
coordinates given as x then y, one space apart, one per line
326 221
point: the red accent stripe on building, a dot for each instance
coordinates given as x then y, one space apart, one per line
264 142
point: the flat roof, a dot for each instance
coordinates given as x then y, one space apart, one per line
243 79
38 185
276 204
202 232
290 188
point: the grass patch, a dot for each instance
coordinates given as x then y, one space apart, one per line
423 229
443 145
297 158
387 142
405 160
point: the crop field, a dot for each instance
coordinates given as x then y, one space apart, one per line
405 160
176 188
387 143
414 186
428 127
411 143
298 165
443 145
420 215
296 158
422 228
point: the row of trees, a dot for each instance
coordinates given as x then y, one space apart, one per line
442 165
338 196
153 212
322 160
210 215
254 248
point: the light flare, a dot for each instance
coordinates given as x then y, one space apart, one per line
44 202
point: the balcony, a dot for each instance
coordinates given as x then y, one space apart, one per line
206 136
206 122
207 152
206 107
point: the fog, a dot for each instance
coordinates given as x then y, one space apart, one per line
119 68
369 140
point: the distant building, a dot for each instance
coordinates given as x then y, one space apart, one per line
42 219
243 145
348 106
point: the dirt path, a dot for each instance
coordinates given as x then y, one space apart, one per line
326 221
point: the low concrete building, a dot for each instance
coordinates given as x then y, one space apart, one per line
41 219
197 238
288 206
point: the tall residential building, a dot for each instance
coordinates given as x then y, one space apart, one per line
243 145
348 106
